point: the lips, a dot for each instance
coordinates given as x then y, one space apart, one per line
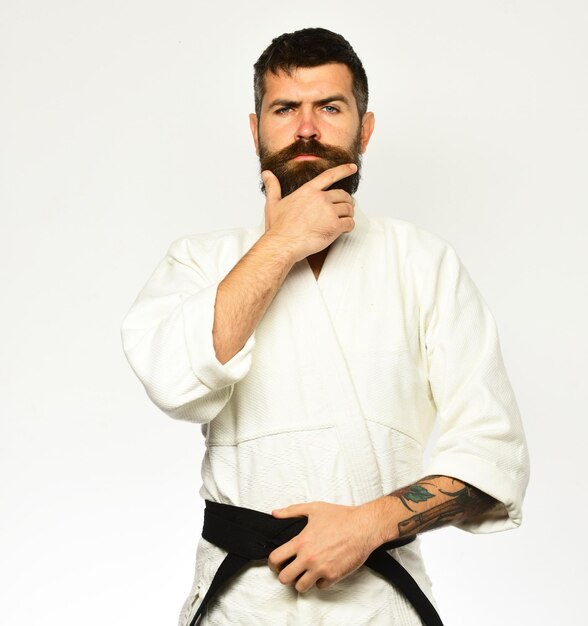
306 149
305 159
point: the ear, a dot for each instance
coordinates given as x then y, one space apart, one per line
253 124
367 128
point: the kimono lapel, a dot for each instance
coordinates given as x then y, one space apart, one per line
343 257
327 376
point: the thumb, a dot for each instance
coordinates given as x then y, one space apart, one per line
294 510
273 191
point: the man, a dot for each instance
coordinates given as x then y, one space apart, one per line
317 351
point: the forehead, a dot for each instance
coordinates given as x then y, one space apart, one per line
309 83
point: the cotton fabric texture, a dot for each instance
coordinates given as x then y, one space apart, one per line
332 398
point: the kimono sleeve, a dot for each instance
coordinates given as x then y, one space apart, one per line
167 339
481 439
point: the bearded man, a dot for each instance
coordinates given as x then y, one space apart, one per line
318 352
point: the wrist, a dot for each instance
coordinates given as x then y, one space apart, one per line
382 514
281 247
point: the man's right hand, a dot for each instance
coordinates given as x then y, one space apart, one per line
302 223
310 218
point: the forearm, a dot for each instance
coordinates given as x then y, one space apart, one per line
246 292
305 222
430 503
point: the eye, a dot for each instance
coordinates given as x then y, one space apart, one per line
329 108
283 110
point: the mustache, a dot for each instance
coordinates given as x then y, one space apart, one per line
314 147
293 174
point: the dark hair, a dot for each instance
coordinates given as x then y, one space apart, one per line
310 47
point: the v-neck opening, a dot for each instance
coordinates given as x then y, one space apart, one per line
331 283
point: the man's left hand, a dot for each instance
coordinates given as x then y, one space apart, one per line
335 542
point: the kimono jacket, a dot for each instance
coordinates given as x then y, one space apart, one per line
334 397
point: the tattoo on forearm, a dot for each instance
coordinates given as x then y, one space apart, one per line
457 505
414 493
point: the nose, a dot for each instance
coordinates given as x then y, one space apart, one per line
307 126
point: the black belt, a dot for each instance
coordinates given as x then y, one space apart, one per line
249 535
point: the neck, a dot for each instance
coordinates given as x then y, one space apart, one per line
316 261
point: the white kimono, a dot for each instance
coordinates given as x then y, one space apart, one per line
332 398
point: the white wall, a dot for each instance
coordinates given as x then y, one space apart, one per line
123 125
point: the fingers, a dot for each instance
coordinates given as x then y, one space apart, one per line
276 560
292 572
332 175
323 583
298 572
347 224
273 191
305 582
303 578
344 209
339 195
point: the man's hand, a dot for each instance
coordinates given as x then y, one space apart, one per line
310 218
338 539
305 222
335 542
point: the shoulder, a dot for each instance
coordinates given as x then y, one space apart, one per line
216 246
410 242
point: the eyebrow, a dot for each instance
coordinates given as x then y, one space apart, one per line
293 103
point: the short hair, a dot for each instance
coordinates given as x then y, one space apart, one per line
310 47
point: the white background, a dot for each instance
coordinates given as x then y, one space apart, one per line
123 126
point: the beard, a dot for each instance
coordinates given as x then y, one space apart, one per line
294 174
